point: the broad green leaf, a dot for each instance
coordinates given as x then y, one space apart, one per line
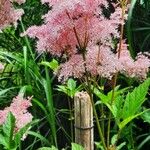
76 146
107 98
8 130
135 99
127 120
100 95
70 89
53 64
71 84
8 126
116 108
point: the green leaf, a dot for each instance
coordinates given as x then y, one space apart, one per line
71 84
114 139
76 146
116 108
9 126
8 130
127 120
19 135
100 95
53 64
99 145
70 89
146 116
107 98
48 148
38 103
120 146
135 99
2 92
62 88
3 141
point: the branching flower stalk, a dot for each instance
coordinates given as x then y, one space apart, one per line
123 4
89 87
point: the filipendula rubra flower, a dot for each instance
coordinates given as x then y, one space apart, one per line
9 15
79 30
18 108
134 68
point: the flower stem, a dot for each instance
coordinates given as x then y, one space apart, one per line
116 75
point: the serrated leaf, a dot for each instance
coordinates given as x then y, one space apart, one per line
127 120
8 130
107 98
9 125
76 146
135 99
100 95
116 108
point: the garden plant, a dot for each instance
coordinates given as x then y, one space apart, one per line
50 50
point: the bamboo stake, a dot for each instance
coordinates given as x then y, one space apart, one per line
83 120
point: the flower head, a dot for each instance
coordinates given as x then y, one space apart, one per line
18 108
9 15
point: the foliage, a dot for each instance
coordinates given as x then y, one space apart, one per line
9 138
121 113
74 146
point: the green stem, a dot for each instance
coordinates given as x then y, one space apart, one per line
27 40
99 127
123 4
110 115
71 116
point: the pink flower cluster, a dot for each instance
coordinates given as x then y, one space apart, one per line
79 30
71 23
9 15
134 68
18 108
